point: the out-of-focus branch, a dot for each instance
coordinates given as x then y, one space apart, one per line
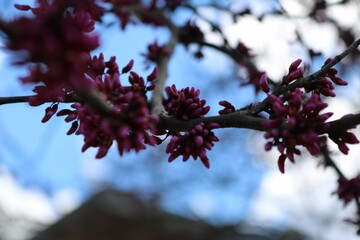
213 5
235 55
329 162
214 26
157 107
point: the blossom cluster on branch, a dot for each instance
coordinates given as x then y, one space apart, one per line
129 123
186 104
295 119
55 42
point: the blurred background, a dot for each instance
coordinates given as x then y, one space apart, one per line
44 175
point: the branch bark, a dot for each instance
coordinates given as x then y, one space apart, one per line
17 99
238 119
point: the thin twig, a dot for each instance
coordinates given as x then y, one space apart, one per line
25 99
234 55
17 99
329 162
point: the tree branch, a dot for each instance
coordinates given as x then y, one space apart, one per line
17 99
238 119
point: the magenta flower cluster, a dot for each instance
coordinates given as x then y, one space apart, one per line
186 104
193 143
295 121
56 42
130 123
